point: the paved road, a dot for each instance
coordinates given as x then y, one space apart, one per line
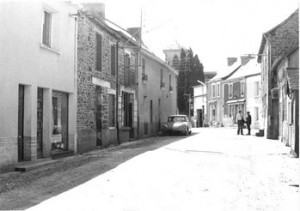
211 170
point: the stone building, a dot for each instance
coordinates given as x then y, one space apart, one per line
287 71
277 42
37 81
106 83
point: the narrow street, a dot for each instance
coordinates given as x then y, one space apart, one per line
213 169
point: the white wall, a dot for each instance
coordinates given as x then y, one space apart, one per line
24 60
253 101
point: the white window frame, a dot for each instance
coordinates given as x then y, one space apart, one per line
218 89
257 88
213 90
53 36
230 90
48 43
242 83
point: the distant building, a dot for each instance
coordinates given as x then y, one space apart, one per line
215 96
200 105
209 75
276 43
241 92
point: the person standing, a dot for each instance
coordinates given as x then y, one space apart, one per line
240 122
248 122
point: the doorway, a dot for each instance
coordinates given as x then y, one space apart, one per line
21 123
39 130
98 116
199 118
128 112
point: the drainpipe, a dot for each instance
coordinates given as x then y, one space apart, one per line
117 92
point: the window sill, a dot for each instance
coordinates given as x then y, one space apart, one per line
49 49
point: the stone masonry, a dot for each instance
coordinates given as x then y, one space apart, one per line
87 72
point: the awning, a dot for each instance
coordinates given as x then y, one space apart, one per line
236 101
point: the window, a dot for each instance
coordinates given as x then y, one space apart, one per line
126 69
213 90
242 88
98 51
170 83
256 117
112 107
143 66
230 90
151 111
47 29
113 62
162 83
256 88
218 90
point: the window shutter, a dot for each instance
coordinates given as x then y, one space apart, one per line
98 52
113 59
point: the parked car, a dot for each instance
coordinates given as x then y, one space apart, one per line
177 124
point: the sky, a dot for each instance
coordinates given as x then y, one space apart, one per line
214 29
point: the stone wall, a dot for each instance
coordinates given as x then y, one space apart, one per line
8 153
89 78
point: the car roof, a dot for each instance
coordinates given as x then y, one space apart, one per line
181 115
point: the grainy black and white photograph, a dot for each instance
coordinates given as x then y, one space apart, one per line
149 105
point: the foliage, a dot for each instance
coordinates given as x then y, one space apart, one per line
190 71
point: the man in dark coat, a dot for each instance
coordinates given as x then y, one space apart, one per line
248 122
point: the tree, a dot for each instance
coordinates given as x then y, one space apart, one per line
190 71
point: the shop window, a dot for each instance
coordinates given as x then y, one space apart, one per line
59 121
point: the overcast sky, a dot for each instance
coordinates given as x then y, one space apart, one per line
214 29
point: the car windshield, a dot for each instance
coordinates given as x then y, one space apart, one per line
176 119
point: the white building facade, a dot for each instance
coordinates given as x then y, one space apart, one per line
37 80
200 105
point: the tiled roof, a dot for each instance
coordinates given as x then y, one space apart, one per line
283 37
227 72
251 68
293 78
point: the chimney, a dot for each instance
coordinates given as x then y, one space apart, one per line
245 59
96 9
136 33
231 60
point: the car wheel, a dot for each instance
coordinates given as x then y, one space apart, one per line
187 131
